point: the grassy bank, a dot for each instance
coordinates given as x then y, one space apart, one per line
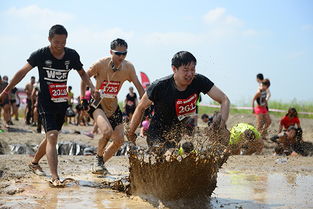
303 107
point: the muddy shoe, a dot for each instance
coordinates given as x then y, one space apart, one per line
100 170
99 167
56 183
36 169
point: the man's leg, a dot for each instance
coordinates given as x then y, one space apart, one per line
28 111
106 129
51 152
118 140
34 166
6 113
40 152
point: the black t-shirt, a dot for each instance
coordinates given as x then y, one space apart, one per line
130 100
53 73
172 106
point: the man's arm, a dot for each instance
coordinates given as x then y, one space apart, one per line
217 95
137 84
144 103
86 81
16 79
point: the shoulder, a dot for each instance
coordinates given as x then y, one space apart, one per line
40 51
129 66
71 52
159 85
102 62
163 81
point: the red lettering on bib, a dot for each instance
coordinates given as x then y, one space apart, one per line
186 107
109 90
58 92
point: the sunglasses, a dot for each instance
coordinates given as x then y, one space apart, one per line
124 53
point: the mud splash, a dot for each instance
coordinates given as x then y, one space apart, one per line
177 176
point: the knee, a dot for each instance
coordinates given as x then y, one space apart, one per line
118 142
52 137
107 133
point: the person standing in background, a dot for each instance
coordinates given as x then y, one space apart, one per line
130 103
29 106
261 109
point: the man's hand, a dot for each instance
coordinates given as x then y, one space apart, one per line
95 94
131 137
218 122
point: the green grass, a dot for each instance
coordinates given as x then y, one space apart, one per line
303 107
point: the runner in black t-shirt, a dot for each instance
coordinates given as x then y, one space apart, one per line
54 63
130 103
174 98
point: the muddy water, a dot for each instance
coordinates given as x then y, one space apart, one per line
234 190
274 190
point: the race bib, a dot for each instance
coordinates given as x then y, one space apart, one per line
109 90
58 92
186 107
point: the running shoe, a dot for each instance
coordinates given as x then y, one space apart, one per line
99 167
36 168
56 183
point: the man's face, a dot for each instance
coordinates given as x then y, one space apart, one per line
57 43
185 73
118 54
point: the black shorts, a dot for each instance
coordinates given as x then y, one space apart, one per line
52 115
115 119
4 102
130 109
29 104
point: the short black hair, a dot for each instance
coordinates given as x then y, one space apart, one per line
260 76
118 42
183 58
57 29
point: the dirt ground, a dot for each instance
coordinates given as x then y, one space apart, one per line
17 181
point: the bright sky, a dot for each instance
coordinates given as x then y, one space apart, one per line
232 40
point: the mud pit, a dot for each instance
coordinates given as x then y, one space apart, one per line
264 181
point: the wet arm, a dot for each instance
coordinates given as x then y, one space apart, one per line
137 84
138 114
84 82
217 95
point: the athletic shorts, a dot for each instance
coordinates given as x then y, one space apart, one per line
115 119
130 109
4 102
52 115
260 110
